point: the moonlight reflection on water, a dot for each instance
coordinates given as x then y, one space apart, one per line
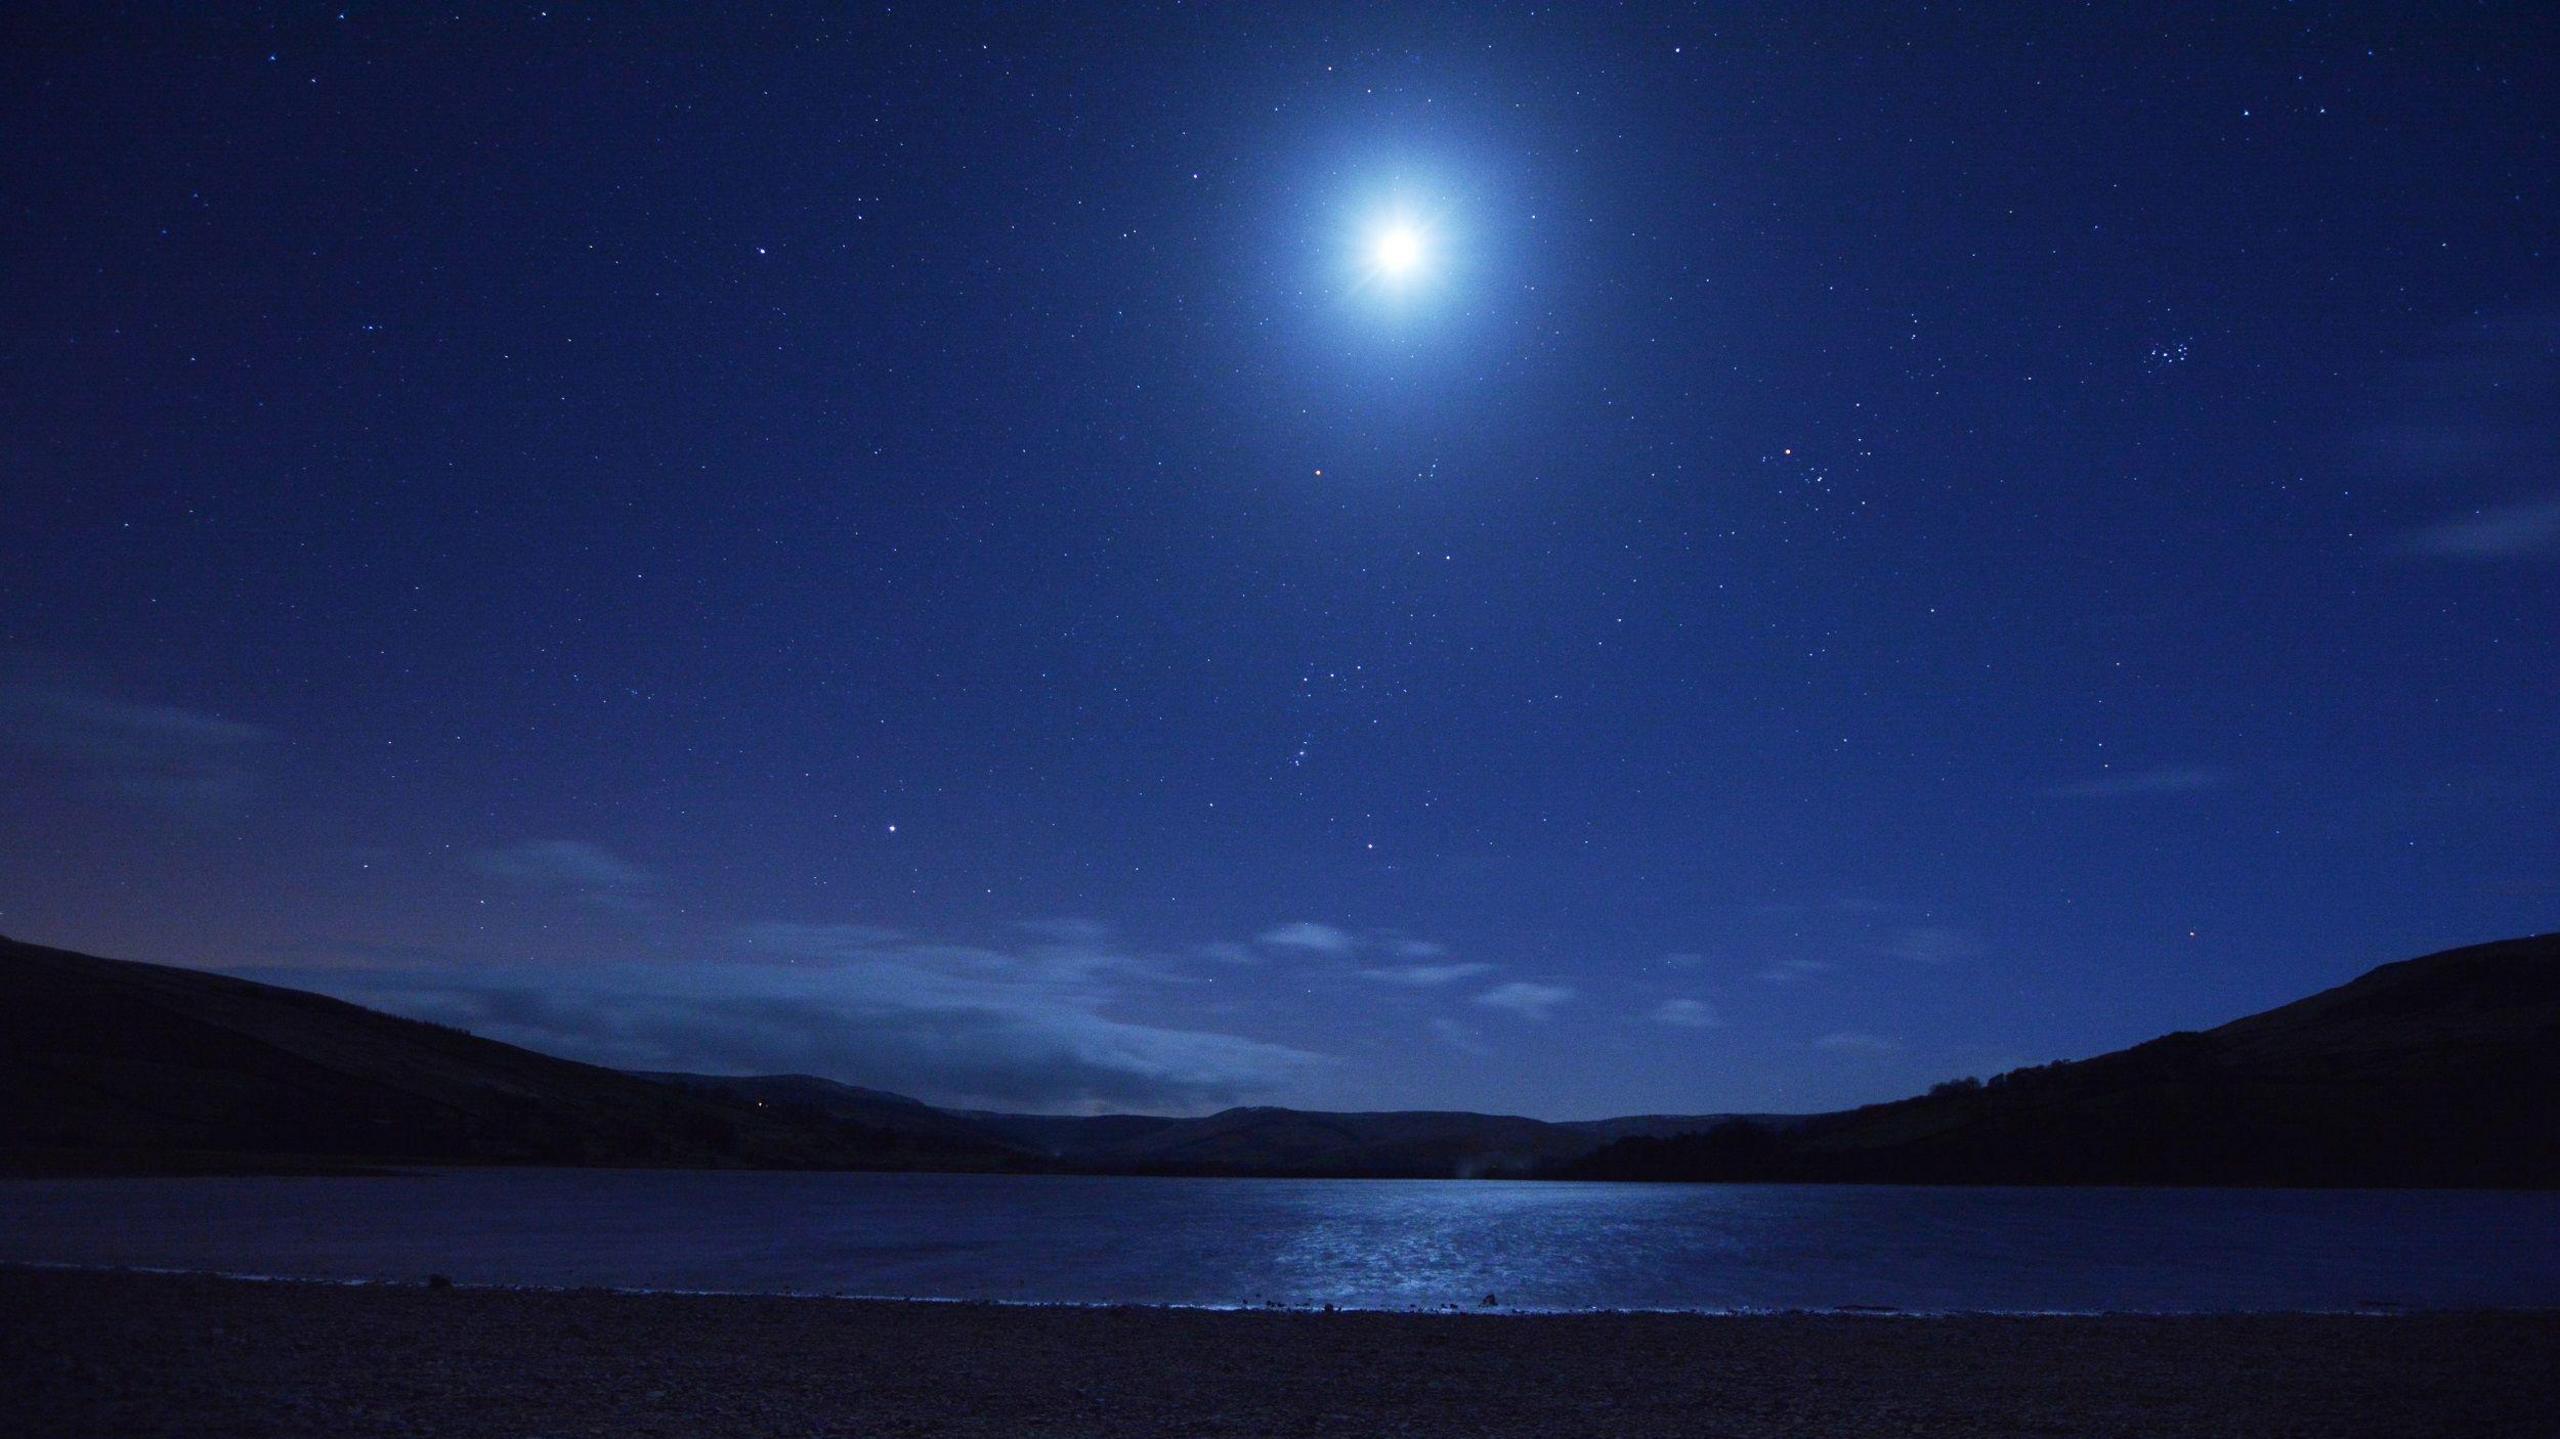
1390 1244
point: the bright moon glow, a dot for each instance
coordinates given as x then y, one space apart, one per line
1399 251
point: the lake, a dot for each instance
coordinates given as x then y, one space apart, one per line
1356 1243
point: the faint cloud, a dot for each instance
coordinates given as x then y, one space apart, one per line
2127 784
2479 413
2492 532
817 941
1424 976
560 864
1794 971
1309 936
1227 951
1850 1041
570 867
2482 405
1527 1000
158 753
1687 1014
345 954
1420 949
1933 944
1684 959
1066 931
1460 1037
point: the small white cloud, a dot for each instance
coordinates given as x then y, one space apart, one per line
1687 1014
1312 937
1227 951
1684 959
2494 532
1794 971
1420 949
1850 1041
2132 783
1525 999
1424 976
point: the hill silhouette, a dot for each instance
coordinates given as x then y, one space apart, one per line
2443 1070
2439 1071
110 1064
116 1065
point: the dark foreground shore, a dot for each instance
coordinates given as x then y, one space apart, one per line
131 1355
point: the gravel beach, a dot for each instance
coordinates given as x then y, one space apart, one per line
136 1354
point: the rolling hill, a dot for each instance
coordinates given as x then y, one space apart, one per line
2439 1071
2443 1070
112 1065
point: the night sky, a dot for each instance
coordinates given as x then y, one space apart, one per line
932 546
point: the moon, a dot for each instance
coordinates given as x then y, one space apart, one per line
1398 251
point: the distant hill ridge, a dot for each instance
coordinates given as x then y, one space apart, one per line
2443 1070
1256 1139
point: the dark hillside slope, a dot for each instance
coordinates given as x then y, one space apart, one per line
112 1064
2440 1071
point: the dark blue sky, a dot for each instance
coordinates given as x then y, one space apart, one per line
909 546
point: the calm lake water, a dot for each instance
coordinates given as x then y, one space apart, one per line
1374 1244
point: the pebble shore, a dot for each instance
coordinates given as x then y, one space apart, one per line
129 1355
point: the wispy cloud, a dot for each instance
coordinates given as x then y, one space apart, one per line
2492 532
2478 406
2133 783
159 753
1850 1041
1933 944
1687 1014
2479 414
1039 1024
1526 999
1309 936
1794 971
817 941
569 867
1684 959
1425 976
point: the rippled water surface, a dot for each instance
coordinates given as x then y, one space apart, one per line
1369 1243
